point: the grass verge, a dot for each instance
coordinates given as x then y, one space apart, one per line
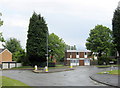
6 81
105 66
113 72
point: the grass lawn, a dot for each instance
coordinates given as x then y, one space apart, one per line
6 81
113 72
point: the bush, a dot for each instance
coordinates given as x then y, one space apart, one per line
94 62
103 59
50 64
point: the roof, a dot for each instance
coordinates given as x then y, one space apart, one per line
78 51
2 50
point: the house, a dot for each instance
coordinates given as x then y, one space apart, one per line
5 56
77 58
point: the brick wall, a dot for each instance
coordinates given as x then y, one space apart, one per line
6 56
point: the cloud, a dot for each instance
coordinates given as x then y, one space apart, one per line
69 19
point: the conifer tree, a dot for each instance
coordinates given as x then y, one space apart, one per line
116 28
37 40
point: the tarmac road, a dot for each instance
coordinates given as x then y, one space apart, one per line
77 77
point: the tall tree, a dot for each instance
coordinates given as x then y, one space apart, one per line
100 40
37 40
57 45
116 28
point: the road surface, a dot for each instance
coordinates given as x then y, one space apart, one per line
77 77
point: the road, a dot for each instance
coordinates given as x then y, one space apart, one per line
77 77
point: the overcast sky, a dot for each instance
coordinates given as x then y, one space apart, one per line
71 20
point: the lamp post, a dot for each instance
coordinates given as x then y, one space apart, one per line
47 49
46 67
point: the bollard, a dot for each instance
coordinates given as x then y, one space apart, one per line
71 66
46 69
35 67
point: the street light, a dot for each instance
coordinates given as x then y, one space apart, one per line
46 67
47 48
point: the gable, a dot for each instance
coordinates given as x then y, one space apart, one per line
5 50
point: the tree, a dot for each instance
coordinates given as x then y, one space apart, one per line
68 47
19 56
14 46
116 28
37 40
100 40
1 37
1 22
57 45
74 47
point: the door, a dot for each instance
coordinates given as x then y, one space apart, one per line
81 62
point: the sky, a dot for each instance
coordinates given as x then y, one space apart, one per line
71 20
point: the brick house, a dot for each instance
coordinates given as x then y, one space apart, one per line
77 58
5 56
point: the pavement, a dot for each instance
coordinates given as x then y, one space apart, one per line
107 79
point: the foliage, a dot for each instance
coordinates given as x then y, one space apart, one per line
37 40
13 45
1 38
116 28
68 47
100 40
103 59
57 46
19 56
1 22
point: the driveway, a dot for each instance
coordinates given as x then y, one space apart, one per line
77 77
